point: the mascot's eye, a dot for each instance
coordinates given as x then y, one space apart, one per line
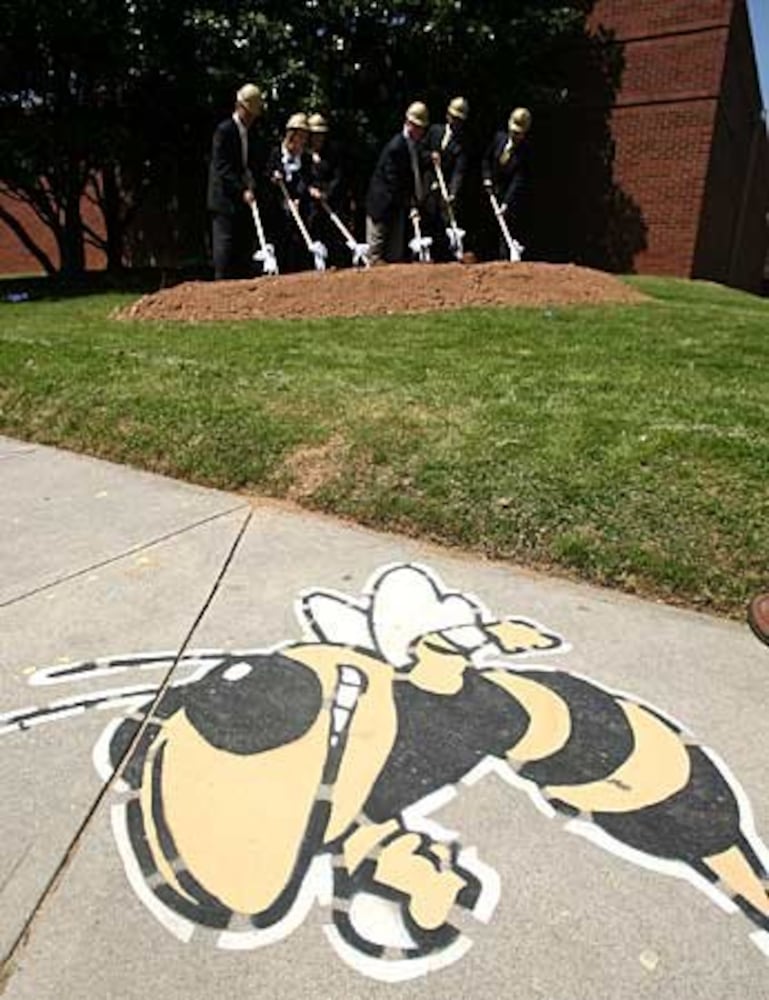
254 704
237 671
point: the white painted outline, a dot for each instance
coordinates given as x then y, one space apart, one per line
416 817
313 888
493 765
179 926
380 914
661 866
395 970
100 755
491 883
761 940
747 819
158 660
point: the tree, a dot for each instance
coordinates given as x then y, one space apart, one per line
59 61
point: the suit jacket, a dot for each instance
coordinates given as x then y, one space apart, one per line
227 179
297 183
508 171
326 173
453 157
392 184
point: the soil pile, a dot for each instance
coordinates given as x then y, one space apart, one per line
386 290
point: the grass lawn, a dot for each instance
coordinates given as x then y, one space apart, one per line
626 445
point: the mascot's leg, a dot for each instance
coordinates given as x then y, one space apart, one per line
399 895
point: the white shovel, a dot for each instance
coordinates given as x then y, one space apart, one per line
359 251
265 255
515 248
420 245
454 233
316 248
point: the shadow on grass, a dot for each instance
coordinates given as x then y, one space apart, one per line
17 289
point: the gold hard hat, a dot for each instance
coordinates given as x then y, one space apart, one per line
317 123
250 96
458 108
298 123
520 121
418 114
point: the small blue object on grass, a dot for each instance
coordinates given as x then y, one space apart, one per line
17 297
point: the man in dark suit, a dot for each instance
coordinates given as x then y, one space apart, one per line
446 146
505 170
397 184
236 161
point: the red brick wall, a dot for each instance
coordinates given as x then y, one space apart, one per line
683 126
664 116
14 256
634 18
661 163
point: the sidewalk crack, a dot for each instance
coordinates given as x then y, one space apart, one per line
7 966
139 547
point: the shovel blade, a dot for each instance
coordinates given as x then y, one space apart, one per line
359 253
319 253
267 259
456 241
420 247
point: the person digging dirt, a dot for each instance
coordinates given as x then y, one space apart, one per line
237 159
506 171
397 184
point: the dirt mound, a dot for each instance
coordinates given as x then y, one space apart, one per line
397 288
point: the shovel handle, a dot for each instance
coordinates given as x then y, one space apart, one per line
349 238
502 221
445 194
258 224
295 212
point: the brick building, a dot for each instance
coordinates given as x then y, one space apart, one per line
14 256
690 138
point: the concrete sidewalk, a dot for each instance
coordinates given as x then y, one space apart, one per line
126 585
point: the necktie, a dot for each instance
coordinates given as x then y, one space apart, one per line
418 188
